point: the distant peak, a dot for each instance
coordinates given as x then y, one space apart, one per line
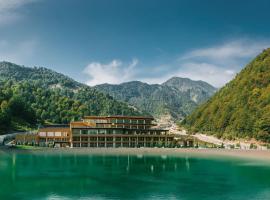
7 63
177 78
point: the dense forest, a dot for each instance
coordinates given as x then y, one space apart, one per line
176 97
241 109
31 96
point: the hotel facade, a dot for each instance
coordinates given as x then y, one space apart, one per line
101 131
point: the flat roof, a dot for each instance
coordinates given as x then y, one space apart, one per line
115 128
81 124
54 129
55 126
118 116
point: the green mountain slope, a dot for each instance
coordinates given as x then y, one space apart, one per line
241 109
37 95
176 97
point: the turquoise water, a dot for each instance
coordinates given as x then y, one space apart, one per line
72 176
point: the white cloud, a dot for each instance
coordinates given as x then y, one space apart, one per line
17 52
216 65
114 72
210 73
231 50
9 10
230 72
213 74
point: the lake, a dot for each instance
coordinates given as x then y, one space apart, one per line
82 176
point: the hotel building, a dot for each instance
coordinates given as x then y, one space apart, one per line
103 131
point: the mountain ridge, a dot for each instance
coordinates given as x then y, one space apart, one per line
158 99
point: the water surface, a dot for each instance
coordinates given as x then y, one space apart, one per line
84 176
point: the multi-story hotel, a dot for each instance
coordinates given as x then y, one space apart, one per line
103 131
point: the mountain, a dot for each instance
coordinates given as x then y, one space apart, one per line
198 91
241 109
38 95
176 97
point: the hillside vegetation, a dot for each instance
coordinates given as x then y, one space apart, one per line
31 96
241 109
176 97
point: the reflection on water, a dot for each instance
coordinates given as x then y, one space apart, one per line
71 176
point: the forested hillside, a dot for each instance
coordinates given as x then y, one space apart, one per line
31 96
176 97
241 109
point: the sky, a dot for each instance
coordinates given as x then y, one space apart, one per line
115 41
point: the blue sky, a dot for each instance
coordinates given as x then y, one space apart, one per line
114 41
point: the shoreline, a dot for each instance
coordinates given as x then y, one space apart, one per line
204 153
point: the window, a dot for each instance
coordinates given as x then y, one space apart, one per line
50 134
76 138
109 144
65 134
58 134
141 121
42 140
76 145
84 132
92 131
42 134
117 131
96 120
126 121
134 121
93 144
120 121
93 138
100 126
84 145
101 145
148 121
102 131
75 131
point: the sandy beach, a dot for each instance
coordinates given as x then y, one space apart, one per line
204 153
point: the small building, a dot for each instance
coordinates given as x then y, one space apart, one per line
54 136
27 139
